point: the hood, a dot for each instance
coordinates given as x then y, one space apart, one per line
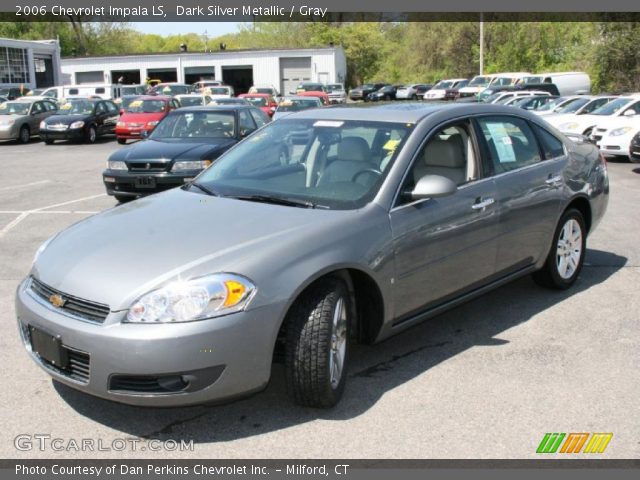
155 150
122 253
141 117
66 119
277 115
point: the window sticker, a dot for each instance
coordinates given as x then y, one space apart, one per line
66 106
502 142
328 123
135 103
391 145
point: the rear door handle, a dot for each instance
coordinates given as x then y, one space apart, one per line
555 180
483 204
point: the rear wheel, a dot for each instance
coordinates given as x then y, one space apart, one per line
566 257
317 349
25 134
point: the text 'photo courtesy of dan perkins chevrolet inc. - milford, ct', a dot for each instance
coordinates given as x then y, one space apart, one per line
182 11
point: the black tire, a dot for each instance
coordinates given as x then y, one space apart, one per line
48 141
92 134
634 160
123 198
549 276
25 134
414 97
309 344
122 141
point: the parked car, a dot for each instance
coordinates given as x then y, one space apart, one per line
634 149
439 90
11 93
584 124
170 89
386 93
453 92
504 96
263 101
125 101
309 87
80 120
289 105
613 136
581 106
221 91
336 93
507 79
531 103
413 91
361 92
142 115
324 97
184 143
193 99
560 103
199 86
229 101
270 89
475 86
263 256
20 119
568 83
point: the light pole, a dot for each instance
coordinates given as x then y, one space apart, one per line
481 43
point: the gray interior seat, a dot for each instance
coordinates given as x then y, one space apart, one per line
353 156
443 157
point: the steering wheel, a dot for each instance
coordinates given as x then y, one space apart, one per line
371 171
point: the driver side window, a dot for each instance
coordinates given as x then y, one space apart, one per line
245 122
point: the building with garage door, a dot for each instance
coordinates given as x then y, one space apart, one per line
282 68
32 64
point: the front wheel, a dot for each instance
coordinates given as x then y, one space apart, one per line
25 135
92 134
566 257
122 141
317 349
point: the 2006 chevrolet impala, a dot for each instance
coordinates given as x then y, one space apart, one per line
328 227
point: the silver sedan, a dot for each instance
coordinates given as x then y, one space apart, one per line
20 119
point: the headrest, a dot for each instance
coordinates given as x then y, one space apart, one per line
353 149
445 153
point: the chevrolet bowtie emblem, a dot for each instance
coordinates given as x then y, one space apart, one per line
57 300
147 166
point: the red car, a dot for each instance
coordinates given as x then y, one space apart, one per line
142 115
263 101
321 95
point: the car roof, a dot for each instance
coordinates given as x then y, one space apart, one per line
206 108
244 95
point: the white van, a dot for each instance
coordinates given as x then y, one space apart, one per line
568 83
106 91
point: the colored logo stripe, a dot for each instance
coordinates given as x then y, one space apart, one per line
598 442
574 442
550 443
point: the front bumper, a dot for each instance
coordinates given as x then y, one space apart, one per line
69 134
130 133
337 100
129 183
10 133
218 359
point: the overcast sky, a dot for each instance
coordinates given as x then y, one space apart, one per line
213 29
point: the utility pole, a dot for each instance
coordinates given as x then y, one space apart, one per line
481 43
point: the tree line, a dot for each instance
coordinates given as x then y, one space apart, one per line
395 52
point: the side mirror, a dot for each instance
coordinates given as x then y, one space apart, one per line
433 186
629 113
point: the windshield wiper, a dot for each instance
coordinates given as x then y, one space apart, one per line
289 202
206 190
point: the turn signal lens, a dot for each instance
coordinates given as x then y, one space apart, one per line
235 293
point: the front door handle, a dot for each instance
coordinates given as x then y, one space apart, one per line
480 205
554 180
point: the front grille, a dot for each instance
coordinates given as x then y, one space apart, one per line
147 384
57 127
135 125
148 166
73 306
612 147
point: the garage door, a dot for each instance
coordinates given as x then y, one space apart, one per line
292 72
89 77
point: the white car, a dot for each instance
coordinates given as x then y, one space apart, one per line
336 92
439 90
613 137
583 124
563 105
413 91
221 91
475 86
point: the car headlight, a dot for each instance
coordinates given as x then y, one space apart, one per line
153 124
568 126
620 131
120 124
190 165
197 299
116 165
43 125
78 124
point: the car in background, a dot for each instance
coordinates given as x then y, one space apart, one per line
361 92
324 97
578 106
613 137
142 115
263 101
80 120
567 83
453 92
336 92
124 101
20 119
11 93
386 93
439 90
310 87
414 91
475 86
229 101
199 86
386 217
531 103
193 99
502 97
270 89
221 91
132 90
507 79
170 89
584 124
634 149
184 143
289 105
560 103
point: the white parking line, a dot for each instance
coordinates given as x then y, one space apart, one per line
13 187
17 212
26 213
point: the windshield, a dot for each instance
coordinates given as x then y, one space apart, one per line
479 81
257 101
567 106
502 81
200 125
504 99
76 107
331 164
612 107
594 105
310 87
146 106
262 90
173 89
219 91
191 101
532 80
131 90
489 97
14 108
442 85
295 105
335 87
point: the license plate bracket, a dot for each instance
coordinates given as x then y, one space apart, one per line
145 182
49 347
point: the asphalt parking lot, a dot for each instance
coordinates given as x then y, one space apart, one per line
486 380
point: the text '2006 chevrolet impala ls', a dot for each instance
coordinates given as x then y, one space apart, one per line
325 228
